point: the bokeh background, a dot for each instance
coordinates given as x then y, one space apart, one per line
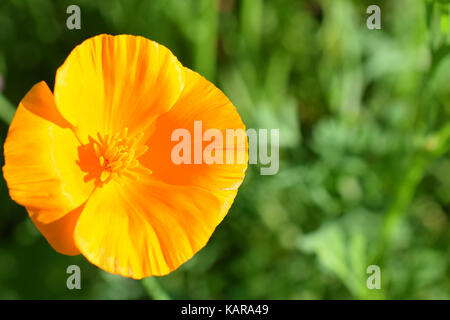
364 119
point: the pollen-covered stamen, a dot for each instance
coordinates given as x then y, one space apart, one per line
118 154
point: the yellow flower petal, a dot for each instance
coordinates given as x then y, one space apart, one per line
200 101
109 83
59 233
144 228
40 159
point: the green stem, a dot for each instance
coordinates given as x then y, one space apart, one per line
154 289
435 145
251 24
403 197
205 50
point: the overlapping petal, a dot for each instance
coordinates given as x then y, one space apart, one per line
60 233
40 159
200 101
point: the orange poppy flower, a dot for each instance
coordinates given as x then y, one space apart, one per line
91 162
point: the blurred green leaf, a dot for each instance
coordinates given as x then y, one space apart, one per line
6 110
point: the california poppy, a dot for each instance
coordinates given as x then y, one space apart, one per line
91 162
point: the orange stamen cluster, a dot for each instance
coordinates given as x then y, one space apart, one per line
118 154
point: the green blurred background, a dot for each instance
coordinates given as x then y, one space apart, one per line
364 119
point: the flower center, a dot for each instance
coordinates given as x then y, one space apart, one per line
111 156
